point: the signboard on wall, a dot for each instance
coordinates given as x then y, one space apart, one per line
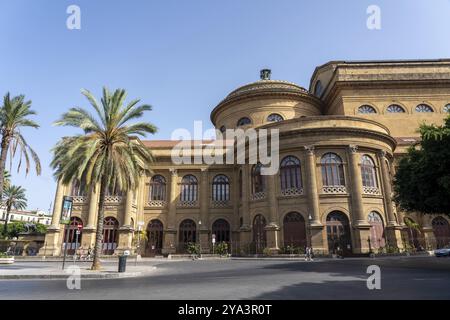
66 210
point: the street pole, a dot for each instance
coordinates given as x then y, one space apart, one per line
67 230
76 245
199 241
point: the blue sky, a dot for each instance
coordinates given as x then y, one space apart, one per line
183 57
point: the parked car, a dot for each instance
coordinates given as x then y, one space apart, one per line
443 252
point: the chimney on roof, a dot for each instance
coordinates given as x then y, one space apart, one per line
265 74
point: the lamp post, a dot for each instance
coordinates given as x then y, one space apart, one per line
310 230
199 241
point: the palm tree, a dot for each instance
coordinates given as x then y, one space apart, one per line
14 116
107 153
13 198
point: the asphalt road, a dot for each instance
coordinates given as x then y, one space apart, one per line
401 278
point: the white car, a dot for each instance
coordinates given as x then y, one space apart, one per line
443 252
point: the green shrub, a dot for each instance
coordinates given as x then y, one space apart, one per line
193 248
221 248
4 255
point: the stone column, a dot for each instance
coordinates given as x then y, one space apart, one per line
126 230
315 226
89 230
53 237
204 206
273 228
311 185
245 229
170 233
360 223
393 229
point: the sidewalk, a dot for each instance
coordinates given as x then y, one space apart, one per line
53 271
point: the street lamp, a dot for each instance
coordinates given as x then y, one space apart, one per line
199 242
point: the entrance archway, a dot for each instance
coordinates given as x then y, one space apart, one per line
187 234
294 230
377 239
338 233
221 230
154 238
259 233
441 230
110 235
72 242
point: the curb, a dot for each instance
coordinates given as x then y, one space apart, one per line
91 276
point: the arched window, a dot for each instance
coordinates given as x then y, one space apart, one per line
158 188
221 230
368 173
79 188
290 174
257 179
221 188
318 88
110 235
395 108
447 108
441 230
424 108
259 233
74 240
376 230
366 109
189 188
244 121
274 117
332 170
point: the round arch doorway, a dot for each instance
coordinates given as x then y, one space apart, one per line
294 230
154 238
441 230
338 233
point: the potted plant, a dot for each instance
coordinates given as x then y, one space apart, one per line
6 259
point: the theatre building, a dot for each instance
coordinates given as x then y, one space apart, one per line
340 142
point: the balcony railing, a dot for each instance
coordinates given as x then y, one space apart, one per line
113 199
258 195
334 189
220 203
79 199
291 192
372 191
187 203
156 203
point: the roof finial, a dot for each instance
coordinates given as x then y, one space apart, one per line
265 74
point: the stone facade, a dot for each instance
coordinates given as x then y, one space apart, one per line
342 139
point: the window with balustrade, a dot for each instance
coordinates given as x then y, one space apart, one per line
221 188
189 189
258 184
290 176
158 188
368 172
332 173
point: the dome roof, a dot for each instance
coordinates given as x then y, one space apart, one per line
266 86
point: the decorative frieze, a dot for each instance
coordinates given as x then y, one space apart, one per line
113 199
79 199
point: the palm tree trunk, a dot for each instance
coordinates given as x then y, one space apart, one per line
100 219
3 154
5 226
